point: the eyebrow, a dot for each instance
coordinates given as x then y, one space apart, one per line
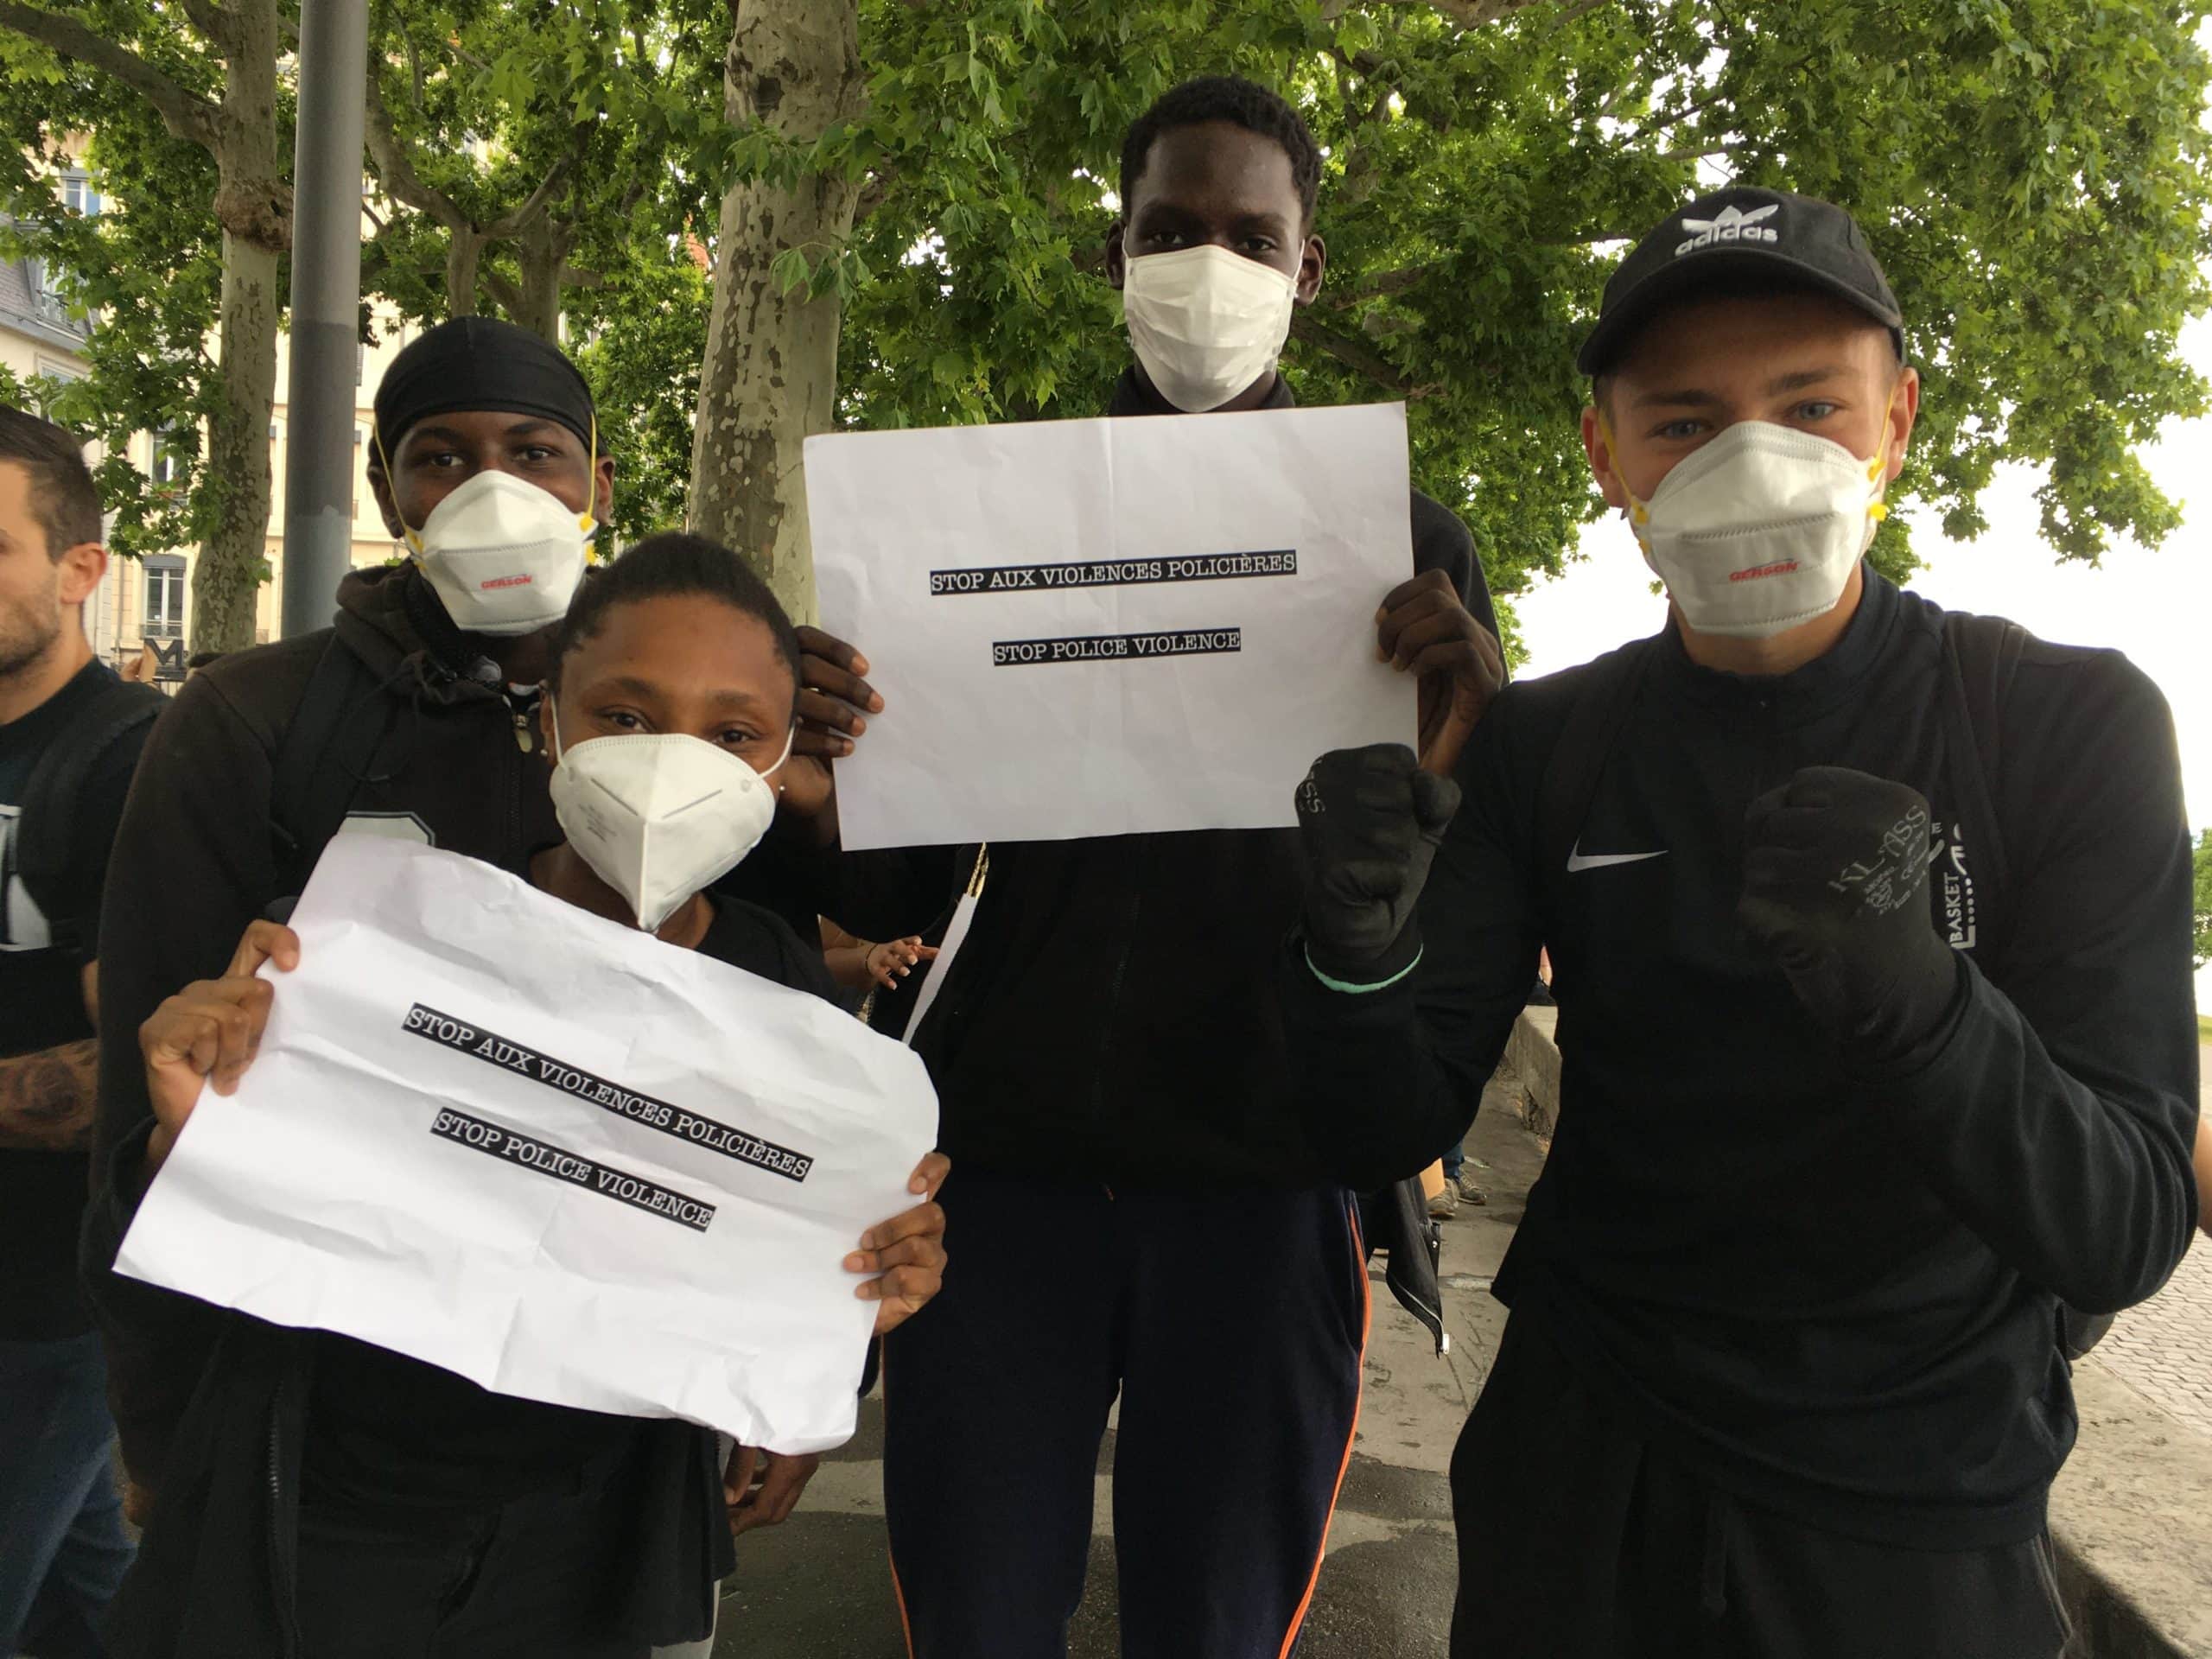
527 427
1697 397
630 685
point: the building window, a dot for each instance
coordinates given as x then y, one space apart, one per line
165 460
164 596
77 194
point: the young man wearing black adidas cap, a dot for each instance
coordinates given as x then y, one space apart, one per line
1869 927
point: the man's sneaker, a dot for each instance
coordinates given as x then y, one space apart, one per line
1444 1204
1467 1191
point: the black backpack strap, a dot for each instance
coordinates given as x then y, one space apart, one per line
1595 718
1981 656
317 769
51 851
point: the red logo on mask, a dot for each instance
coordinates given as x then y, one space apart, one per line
504 581
1779 567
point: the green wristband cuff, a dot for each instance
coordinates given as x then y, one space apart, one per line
1351 989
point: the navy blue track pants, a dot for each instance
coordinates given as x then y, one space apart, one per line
1232 1327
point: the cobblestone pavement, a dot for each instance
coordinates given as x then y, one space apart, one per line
2163 1348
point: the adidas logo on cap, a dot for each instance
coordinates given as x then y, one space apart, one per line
1731 223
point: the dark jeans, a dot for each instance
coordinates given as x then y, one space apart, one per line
530 1577
62 1545
1579 1540
1231 1324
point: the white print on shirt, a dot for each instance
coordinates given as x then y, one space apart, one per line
1955 904
21 927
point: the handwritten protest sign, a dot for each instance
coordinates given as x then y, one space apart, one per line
1099 627
549 1152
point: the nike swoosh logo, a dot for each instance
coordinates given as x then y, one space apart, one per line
1578 861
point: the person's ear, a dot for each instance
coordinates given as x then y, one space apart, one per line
603 489
1118 258
1601 460
380 487
1313 261
79 571
1905 409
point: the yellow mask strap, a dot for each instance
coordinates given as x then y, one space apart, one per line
1636 514
1879 509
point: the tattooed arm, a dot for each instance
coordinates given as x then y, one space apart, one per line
46 1097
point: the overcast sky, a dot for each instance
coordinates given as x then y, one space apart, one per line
2156 605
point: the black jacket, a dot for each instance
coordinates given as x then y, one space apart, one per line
1831 1289
1113 1014
209 1403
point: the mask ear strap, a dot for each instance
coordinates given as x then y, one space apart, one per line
392 483
553 708
1638 515
1879 509
790 738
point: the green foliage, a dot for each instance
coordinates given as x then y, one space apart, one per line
2203 905
2032 172
147 269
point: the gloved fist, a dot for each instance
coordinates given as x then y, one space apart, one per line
1835 891
1371 821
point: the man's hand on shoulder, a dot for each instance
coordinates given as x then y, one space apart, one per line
1835 892
833 707
1370 821
1425 630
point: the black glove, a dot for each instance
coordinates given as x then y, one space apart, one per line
1370 821
1835 889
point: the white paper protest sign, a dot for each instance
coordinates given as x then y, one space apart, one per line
1108 627
549 1152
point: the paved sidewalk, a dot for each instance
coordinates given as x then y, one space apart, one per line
2163 1348
819 1586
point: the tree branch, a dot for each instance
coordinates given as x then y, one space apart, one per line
211 20
185 114
514 224
1469 13
1382 285
576 276
395 172
1354 356
503 290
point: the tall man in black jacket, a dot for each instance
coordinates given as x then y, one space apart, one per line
1871 936
1109 1050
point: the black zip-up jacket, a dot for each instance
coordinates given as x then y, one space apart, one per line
209 1403
1830 1288
1113 1015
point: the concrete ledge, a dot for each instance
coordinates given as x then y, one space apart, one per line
2130 1512
2131 1515
1534 1056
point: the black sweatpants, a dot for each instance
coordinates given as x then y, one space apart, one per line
534 1579
1578 1540
1232 1326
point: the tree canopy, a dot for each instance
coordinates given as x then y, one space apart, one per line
2033 173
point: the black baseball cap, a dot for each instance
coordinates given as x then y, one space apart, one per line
1741 230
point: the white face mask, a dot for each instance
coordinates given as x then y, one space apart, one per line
660 814
1759 531
502 555
1205 322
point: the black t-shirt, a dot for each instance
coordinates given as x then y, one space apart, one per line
387 1430
43 1006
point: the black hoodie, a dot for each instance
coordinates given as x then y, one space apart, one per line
210 1404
